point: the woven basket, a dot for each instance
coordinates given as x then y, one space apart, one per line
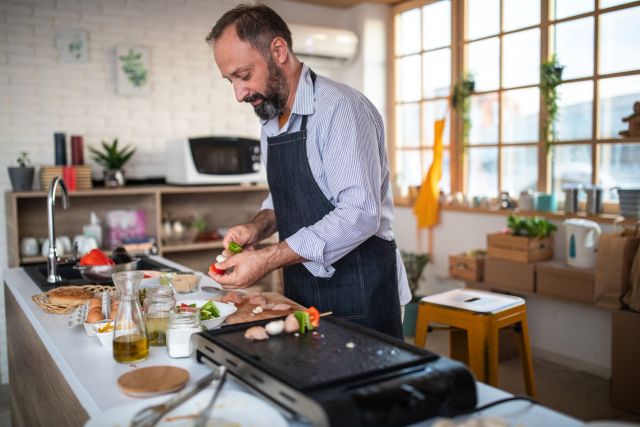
42 300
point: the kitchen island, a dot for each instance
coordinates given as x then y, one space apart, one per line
60 376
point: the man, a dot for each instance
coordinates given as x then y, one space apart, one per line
323 147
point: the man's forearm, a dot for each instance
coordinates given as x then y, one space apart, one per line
280 255
266 223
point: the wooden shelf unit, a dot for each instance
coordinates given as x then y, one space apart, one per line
220 206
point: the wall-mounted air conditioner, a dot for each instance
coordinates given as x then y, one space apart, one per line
322 42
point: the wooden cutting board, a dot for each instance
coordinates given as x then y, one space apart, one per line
153 380
245 311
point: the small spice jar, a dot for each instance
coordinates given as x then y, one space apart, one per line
182 325
159 302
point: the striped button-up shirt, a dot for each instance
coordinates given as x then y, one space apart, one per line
347 157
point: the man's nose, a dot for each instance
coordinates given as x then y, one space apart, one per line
241 92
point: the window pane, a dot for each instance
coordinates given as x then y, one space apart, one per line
408 78
520 14
619 45
571 165
436 30
574 111
519 169
564 8
408 168
609 3
484 119
408 32
619 164
437 73
574 47
482 171
483 18
408 125
520 115
521 58
484 63
617 96
434 110
445 180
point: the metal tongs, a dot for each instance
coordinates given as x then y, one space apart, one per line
150 416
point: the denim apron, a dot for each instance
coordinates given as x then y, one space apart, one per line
364 286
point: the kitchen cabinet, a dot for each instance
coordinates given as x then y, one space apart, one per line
219 206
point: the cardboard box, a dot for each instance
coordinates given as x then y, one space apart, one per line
557 279
467 268
625 368
519 248
510 275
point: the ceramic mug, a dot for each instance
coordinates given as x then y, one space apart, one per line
59 247
85 243
29 246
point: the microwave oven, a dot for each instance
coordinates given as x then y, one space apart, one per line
214 160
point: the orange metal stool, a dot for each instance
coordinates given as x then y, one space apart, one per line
481 315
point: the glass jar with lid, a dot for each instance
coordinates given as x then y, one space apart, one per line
158 303
182 324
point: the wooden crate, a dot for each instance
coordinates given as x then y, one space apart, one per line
519 248
467 268
83 176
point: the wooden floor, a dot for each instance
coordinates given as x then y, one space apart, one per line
578 394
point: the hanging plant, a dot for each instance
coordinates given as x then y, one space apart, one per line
550 78
461 102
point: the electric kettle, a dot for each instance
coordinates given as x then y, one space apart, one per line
582 242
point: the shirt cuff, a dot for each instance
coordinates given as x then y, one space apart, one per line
309 246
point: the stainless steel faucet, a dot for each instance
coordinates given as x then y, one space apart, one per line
52 256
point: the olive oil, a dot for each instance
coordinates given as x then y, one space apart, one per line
157 324
130 348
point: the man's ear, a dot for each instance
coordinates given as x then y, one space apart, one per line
279 50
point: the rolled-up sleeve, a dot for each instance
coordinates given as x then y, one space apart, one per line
351 163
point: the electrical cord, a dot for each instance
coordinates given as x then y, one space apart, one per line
501 401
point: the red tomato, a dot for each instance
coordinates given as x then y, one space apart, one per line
96 257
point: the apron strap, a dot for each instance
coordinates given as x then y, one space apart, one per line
303 126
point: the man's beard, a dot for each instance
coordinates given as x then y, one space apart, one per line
275 97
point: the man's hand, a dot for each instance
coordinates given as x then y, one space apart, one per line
246 268
246 235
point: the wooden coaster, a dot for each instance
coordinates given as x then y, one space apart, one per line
153 381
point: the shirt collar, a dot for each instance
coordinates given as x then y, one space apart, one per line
303 102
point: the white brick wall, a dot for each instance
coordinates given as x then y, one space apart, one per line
40 96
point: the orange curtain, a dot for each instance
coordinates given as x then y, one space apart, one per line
426 207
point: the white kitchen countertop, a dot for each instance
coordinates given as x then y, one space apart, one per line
91 372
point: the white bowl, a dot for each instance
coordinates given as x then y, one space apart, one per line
224 309
106 338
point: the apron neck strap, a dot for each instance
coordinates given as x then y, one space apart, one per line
303 126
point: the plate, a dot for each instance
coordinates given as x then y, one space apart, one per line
232 409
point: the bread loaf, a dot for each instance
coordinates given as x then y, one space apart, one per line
69 295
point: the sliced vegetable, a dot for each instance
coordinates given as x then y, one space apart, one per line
215 270
314 316
234 247
305 322
96 257
211 310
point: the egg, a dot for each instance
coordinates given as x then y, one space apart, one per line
94 316
95 302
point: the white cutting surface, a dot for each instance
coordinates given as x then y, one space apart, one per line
91 372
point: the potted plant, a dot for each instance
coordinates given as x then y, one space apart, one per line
112 159
414 263
526 239
21 176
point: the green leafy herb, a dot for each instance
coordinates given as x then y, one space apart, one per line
530 226
550 78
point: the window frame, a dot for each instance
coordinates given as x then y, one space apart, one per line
458 159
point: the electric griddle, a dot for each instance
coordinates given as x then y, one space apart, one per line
343 374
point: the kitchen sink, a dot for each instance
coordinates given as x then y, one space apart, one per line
71 276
